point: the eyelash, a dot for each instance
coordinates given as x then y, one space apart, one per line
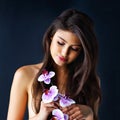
60 43
74 49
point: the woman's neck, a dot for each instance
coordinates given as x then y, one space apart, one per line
61 71
62 76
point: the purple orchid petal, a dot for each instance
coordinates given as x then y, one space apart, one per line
58 113
65 101
49 95
47 81
66 117
56 98
47 98
46 77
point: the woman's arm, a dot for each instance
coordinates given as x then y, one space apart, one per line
18 96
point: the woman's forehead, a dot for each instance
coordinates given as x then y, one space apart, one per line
67 36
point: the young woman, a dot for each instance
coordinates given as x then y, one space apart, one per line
71 51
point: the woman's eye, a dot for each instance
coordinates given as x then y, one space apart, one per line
60 43
75 49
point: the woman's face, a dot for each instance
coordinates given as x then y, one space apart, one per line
65 47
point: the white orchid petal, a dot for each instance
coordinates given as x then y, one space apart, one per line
47 98
41 78
51 74
54 90
58 113
50 94
64 102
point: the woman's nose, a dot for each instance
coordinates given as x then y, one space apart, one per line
65 51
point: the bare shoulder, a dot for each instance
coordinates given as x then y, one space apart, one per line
26 74
28 70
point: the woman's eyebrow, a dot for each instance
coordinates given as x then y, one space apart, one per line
62 39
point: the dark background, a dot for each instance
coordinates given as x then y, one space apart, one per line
22 25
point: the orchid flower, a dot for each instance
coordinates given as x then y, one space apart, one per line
49 95
59 115
52 94
65 101
46 76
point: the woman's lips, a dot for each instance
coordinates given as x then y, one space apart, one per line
62 59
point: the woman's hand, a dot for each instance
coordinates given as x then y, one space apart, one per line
46 109
78 112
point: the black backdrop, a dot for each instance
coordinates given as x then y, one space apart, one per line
22 25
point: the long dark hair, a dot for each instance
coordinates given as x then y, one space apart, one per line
84 87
